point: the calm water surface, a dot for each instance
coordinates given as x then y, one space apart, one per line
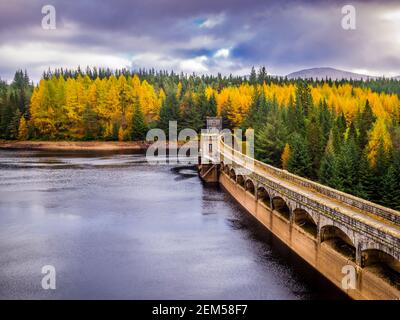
115 227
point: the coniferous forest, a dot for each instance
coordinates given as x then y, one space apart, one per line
344 134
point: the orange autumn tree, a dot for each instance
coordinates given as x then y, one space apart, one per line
58 105
285 156
378 137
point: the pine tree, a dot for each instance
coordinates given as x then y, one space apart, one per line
115 131
262 75
325 119
304 102
6 114
338 130
169 111
295 114
226 112
253 76
251 120
12 129
139 127
90 123
391 183
346 164
270 140
263 111
380 168
300 162
365 187
327 168
203 105
212 106
365 121
191 117
315 142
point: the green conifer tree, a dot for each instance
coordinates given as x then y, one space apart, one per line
90 123
300 162
391 183
169 111
139 127
271 139
191 117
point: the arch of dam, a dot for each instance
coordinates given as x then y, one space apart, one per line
352 242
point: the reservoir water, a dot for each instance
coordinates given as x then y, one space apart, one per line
115 227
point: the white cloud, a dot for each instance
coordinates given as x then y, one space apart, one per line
392 15
164 62
37 57
197 42
213 21
154 60
372 72
197 64
222 53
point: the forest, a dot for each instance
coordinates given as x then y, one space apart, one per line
344 134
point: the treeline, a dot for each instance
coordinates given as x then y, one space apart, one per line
14 104
341 133
119 107
159 77
358 153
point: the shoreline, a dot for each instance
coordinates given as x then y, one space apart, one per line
74 145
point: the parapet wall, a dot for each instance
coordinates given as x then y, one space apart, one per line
364 205
319 255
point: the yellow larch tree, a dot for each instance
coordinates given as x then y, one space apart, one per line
378 136
285 156
22 129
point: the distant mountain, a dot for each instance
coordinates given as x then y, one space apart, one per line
334 74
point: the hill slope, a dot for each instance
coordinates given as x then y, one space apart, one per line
322 73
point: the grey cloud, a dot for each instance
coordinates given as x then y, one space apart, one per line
284 35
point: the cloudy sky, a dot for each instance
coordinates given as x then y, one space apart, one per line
202 36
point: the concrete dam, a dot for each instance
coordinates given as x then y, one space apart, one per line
352 242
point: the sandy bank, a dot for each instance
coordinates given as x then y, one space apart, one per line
73 145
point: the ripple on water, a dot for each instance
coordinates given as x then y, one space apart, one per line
117 227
